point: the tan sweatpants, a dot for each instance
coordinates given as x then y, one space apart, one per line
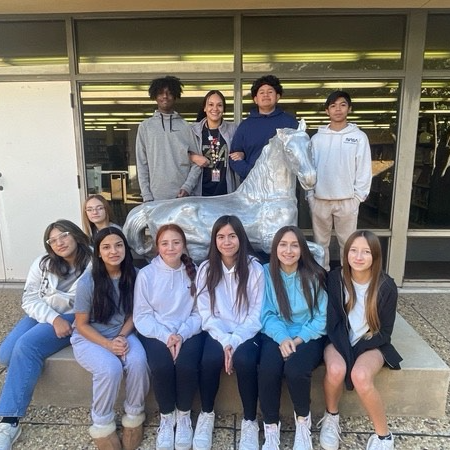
343 214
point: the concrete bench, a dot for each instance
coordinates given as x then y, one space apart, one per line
419 389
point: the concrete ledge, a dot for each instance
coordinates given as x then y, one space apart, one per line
419 389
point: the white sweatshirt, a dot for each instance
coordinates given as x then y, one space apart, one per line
343 163
41 299
226 325
163 304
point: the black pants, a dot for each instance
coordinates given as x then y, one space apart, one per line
245 363
174 384
297 369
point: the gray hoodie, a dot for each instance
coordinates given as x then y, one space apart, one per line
163 165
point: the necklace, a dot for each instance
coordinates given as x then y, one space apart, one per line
214 150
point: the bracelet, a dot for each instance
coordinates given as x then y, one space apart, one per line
121 335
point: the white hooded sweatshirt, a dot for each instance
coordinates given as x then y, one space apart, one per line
225 323
343 163
163 304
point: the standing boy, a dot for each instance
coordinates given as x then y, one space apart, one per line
261 125
342 158
162 147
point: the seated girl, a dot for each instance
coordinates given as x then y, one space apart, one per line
292 339
104 342
360 319
170 330
96 215
47 325
230 286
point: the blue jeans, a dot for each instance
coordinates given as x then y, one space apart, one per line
24 351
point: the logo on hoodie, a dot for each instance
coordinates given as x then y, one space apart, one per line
351 140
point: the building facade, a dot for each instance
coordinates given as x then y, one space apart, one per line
73 89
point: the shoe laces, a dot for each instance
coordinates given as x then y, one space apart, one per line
184 427
206 422
165 430
272 437
5 431
329 424
248 430
302 435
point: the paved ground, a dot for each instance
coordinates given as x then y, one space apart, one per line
67 428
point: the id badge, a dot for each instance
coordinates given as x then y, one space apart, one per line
215 175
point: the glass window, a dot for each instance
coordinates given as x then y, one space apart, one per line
437 44
167 45
430 207
33 48
305 43
427 259
111 115
375 111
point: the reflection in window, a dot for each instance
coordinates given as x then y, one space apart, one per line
437 48
33 48
305 43
430 206
427 259
150 45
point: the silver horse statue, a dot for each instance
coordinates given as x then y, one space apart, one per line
264 202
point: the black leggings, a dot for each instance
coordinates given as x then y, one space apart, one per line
174 384
245 363
297 369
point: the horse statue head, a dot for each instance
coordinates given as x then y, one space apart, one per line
297 150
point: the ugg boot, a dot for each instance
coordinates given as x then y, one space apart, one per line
133 431
105 436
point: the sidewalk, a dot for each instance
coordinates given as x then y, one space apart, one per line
67 428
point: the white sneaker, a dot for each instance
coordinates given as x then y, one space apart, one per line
303 433
8 435
329 431
203 431
249 435
375 443
271 436
165 439
183 433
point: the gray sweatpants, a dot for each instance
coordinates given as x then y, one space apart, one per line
107 372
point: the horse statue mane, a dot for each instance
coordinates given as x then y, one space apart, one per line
264 202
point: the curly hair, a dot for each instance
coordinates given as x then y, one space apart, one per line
173 84
270 80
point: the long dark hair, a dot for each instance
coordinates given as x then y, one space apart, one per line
57 264
201 114
214 271
104 306
372 317
191 270
312 276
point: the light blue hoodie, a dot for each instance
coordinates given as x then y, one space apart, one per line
303 325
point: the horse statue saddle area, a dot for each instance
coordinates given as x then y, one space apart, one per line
264 202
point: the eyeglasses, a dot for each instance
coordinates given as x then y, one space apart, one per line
96 209
63 236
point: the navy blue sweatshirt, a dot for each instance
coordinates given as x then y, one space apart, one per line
254 133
